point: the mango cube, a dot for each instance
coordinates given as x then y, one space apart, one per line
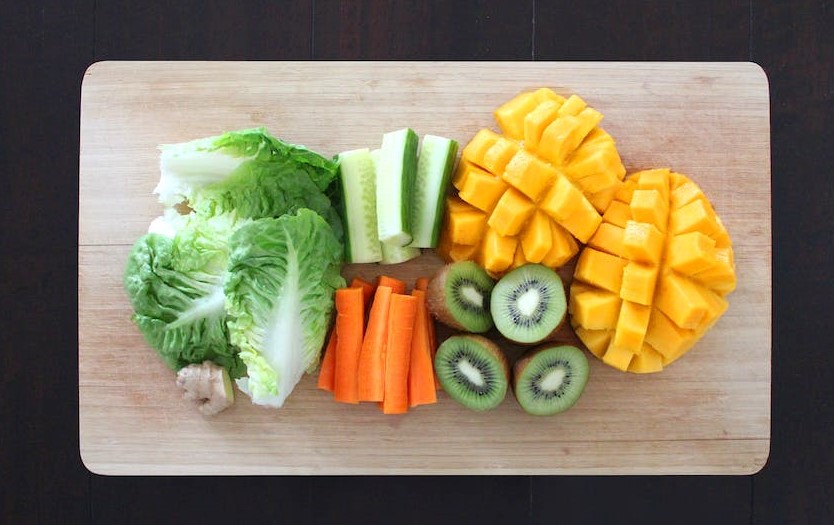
466 227
510 213
537 120
631 326
583 222
600 269
617 357
690 253
649 206
596 309
639 282
529 175
562 247
596 341
682 301
462 252
482 190
510 116
476 149
498 251
666 337
609 238
561 200
536 239
618 213
646 362
464 169
695 216
499 154
643 242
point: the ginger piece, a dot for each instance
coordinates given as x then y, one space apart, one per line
208 385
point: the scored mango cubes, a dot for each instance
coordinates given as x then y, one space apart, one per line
655 275
544 182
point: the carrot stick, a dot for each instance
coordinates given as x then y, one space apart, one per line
371 372
327 374
421 389
396 285
401 317
350 320
367 289
422 283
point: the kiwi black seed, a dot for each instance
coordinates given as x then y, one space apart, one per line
473 371
459 295
550 379
529 304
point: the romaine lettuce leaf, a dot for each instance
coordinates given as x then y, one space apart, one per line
190 166
283 274
174 280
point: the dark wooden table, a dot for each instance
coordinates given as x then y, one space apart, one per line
44 50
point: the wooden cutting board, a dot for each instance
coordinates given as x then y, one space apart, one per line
709 413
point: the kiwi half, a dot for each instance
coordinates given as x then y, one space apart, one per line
458 296
529 304
550 379
473 371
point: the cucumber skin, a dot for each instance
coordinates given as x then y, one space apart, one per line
343 208
412 141
408 172
440 205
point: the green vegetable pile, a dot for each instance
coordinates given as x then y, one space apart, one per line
246 278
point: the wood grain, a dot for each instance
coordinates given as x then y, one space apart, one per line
709 413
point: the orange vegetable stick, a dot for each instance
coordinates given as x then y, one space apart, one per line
367 289
401 317
371 373
327 374
350 321
396 285
421 389
422 283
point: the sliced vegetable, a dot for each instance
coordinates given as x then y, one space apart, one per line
279 296
358 180
327 373
398 254
175 284
371 371
397 286
421 385
367 289
434 169
401 316
350 327
396 170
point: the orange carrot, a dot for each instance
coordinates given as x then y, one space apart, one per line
367 289
328 364
421 389
401 317
396 285
371 373
350 320
422 283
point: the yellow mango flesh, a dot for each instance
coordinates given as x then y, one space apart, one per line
664 254
537 239
553 164
466 227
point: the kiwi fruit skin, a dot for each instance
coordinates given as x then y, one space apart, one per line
437 300
580 377
499 289
453 389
